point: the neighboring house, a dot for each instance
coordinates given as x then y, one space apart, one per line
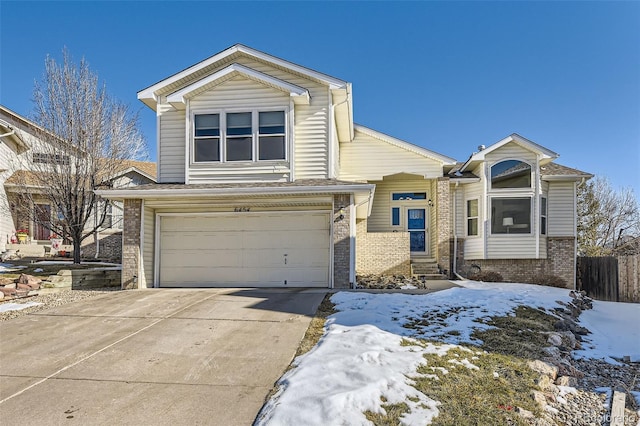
19 149
264 180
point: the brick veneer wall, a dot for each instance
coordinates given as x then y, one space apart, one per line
341 241
443 220
560 261
131 243
382 253
110 246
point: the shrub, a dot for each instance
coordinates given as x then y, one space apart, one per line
549 280
487 276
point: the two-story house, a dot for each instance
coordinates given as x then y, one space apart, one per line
265 180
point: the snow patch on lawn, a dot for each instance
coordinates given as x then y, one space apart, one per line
8 267
5 307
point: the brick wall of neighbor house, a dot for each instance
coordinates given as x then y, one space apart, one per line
560 262
443 220
341 240
110 246
382 253
131 243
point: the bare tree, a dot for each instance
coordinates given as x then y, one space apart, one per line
82 137
608 220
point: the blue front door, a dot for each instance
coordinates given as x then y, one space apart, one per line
416 225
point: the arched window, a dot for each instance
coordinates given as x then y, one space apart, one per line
511 174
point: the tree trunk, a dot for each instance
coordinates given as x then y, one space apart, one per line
76 248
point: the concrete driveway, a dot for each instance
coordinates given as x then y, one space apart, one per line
153 357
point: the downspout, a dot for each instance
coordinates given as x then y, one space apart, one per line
12 132
537 209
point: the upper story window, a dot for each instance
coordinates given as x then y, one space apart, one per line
239 136
46 158
511 174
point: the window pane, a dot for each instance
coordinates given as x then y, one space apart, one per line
271 122
543 226
409 196
543 206
207 125
511 174
472 208
511 215
472 226
239 149
207 149
239 119
395 216
272 148
272 118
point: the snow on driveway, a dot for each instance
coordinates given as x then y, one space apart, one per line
363 355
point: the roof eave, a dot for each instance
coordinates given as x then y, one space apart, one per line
214 192
551 178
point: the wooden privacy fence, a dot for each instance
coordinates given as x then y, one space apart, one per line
629 278
614 279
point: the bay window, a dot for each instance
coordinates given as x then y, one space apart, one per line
245 136
511 215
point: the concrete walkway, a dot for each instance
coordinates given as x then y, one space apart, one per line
154 357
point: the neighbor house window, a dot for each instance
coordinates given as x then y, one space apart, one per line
543 215
240 136
46 158
511 174
472 217
206 138
395 216
511 215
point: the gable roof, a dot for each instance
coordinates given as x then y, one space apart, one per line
149 95
404 145
477 157
340 90
178 99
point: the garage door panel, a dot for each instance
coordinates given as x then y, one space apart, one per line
245 250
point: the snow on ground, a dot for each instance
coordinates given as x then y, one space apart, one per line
614 331
8 267
361 356
5 307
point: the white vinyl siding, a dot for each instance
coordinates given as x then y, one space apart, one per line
511 151
148 247
6 221
473 246
311 125
560 210
368 158
172 145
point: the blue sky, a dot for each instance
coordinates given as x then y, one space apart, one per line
448 76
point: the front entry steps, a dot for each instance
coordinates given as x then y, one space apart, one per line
426 269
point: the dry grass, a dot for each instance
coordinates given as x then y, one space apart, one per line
316 328
477 397
390 418
521 335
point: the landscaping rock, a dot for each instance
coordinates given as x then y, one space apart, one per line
544 368
24 287
12 285
6 281
28 279
388 282
567 381
555 339
8 291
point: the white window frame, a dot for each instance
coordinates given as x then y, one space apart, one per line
255 135
544 214
508 197
468 217
401 204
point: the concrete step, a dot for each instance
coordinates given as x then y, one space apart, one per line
430 277
423 268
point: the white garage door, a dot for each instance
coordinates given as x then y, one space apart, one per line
248 250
